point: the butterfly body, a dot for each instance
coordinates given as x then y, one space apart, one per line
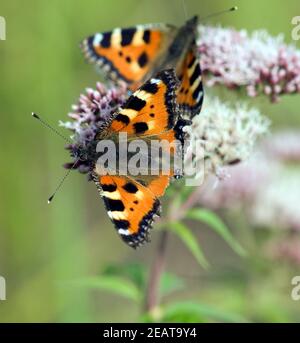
178 47
158 110
151 114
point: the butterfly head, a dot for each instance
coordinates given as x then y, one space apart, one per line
192 23
183 40
86 153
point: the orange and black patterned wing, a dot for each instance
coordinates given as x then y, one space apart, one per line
149 111
190 94
128 55
131 205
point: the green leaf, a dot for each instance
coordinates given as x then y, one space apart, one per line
170 283
112 284
191 312
135 272
185 234
211 219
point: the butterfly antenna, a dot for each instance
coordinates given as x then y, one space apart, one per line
51 127
184 9
232 9
62 181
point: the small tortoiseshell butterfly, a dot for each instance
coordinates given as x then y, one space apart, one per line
151 112
132 55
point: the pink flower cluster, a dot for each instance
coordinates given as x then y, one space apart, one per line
92 109
257 62
266 188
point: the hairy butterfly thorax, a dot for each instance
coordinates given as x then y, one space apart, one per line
183 40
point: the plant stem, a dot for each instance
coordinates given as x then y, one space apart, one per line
189 203
152 295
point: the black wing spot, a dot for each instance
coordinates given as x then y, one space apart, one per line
113 204
121 223
136 202
106 40
127 36
140 127
152 115
135 103
197 91
128 59
195 75
143 59
146 36
123 118
150 88
130 187
109 188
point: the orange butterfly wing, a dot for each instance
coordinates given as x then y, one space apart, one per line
129 54
131 205
133 201
190 94
151 110
151 113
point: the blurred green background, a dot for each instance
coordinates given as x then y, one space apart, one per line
42 247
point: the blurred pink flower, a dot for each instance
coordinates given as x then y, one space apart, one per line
284 145
227 135
267 189
277 202
287 249
240 187
257 62
94 107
